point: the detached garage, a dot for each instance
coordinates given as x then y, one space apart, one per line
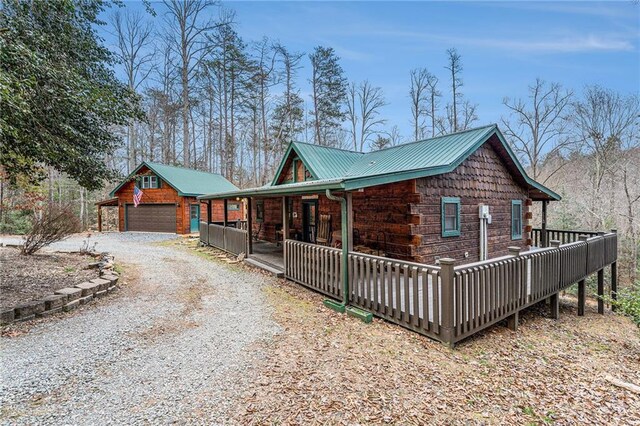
160 198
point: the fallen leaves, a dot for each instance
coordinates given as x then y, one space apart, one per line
328 368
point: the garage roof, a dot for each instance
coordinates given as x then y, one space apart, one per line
188 182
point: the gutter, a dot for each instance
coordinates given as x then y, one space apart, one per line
345 254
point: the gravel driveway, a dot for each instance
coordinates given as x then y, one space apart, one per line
173 346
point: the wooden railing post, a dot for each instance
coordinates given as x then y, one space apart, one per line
582 296
554 299
601 284
512 320
447 297
614 279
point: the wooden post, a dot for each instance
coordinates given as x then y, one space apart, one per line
581 297
349 198
601 291
543 231
99 218
447 296
249 226
209 212
226 213
285 229
512 321
614 285
554 303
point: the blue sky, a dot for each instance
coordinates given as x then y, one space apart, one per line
504 45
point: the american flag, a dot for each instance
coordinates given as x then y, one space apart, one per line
137 196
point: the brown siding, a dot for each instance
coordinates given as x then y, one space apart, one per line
403 219
164 195
481 179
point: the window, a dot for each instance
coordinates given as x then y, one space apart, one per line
516 219
450 216
295 170
149 182
260 211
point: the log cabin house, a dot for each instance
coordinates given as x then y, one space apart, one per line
392 230
169 200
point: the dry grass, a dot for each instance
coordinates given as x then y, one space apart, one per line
329 368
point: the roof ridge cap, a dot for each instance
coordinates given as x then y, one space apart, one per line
328 147
436 137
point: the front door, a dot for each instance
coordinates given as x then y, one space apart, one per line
194 214
309 220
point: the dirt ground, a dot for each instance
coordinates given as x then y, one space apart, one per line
26 278
329 368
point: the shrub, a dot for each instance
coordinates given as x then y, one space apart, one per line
628 303
54 224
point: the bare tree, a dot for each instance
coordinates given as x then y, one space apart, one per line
352 113
395 138
631 187
537 127
188 21
434 94
133 51
454 66
605 122
418 93
371 101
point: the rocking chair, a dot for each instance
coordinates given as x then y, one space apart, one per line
324 230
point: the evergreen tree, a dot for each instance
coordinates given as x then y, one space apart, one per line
329 94
59 98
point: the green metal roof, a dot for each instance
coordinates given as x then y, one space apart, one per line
323 162
428 157
188 182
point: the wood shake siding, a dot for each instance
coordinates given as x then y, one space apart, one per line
404 219
481 179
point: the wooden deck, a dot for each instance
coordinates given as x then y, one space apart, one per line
268 253
445 302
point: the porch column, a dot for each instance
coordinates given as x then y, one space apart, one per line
543 231
285 230
209 212
99 218
226 213
249 226
349 198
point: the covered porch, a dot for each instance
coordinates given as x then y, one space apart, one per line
315 216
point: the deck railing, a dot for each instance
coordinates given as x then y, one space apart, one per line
226 238
445 302
403 292
314 266
487 292
565 237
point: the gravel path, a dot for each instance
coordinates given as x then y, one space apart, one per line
172 346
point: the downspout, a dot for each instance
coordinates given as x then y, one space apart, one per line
344 264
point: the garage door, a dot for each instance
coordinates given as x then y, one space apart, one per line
151 218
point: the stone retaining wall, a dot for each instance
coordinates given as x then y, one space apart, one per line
68 298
